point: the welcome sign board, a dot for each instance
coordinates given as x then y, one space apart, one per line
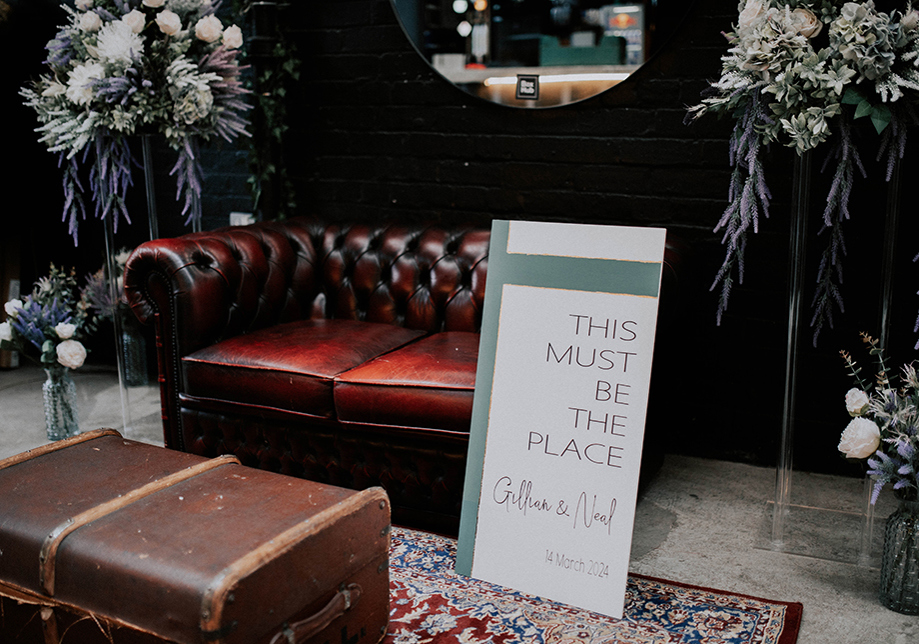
559 411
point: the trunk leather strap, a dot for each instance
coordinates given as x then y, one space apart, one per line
303 630
53 447
53 541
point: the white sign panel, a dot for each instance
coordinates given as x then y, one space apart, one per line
558 420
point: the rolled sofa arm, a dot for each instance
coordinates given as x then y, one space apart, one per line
201 288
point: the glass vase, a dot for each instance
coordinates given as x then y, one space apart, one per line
59 395
899 589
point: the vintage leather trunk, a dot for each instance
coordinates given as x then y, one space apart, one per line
110 540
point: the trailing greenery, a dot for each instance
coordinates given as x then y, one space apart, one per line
275 75
797 73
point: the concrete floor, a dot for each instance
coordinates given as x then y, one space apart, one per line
699 522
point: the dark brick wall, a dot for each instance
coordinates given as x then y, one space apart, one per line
375 133
380 135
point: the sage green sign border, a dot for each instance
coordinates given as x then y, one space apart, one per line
545 271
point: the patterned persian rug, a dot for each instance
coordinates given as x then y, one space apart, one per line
431 604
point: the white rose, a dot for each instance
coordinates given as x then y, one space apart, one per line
71 354
65 331
90 21
804 22
232 37
209 29
751 13
83 5
861 438
856 402
12 307
135 20
168 22
154 4
6 331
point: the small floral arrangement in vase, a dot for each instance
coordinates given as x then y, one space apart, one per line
885 424
47 327
120 68
884 431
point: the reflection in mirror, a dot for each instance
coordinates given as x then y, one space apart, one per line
533 53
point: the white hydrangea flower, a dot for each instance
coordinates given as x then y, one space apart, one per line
12 307
193 104
6 331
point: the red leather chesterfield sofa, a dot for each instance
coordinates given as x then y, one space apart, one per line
344 354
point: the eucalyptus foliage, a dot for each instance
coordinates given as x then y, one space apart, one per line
797 73
119 68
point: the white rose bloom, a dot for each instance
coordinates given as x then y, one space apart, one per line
117 42
752 12
12 307
83 5
65 331
6 331
209 29
804 22
861 438
71 354
135 20
168 22
856 402
153 3
78 85
90 21
233 37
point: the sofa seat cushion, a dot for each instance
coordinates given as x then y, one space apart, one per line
290 366
428 384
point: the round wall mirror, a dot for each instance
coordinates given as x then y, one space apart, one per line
537 53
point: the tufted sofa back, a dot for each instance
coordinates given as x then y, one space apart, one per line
236 280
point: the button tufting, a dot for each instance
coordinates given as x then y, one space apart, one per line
201 259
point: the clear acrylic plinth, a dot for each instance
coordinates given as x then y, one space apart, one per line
821 533
852 532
